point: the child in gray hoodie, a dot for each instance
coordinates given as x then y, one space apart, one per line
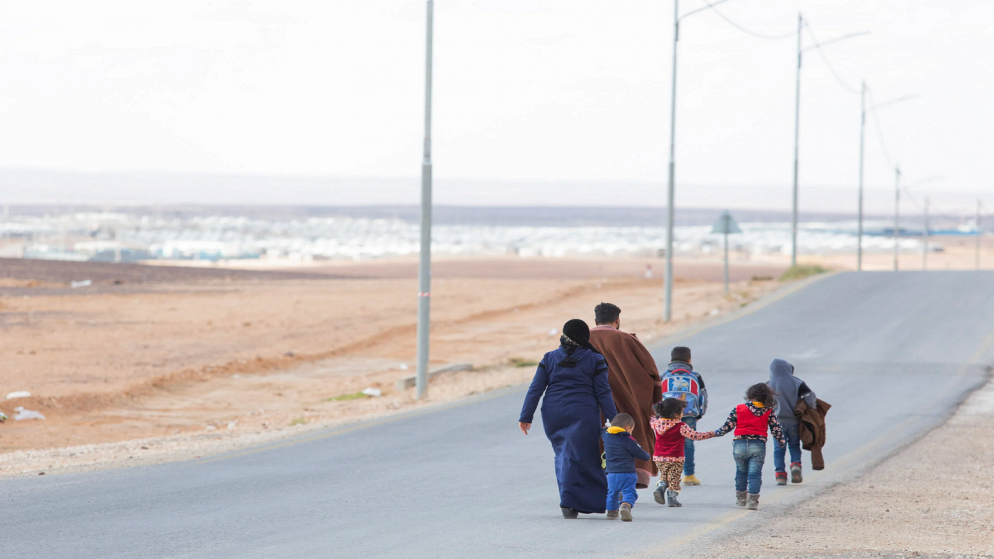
789 391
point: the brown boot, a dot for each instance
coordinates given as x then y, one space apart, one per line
612 515
795 473
740 498
626 512
752 503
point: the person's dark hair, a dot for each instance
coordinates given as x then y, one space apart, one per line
670 408
761 393
623 420
681 354
606 313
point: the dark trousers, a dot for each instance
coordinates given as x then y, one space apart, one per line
688 448
793 443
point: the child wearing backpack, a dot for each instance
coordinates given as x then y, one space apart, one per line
668 455
681 381
752 421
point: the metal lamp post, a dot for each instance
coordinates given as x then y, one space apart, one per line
925 238
424 265
862 135
980 233
897 209
797 121
670 194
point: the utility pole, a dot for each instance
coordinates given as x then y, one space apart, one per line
797 131
670 195
424 265
797 121
897 210
925 239
862 134
980 233
670 191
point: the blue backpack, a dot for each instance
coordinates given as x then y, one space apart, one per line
683 385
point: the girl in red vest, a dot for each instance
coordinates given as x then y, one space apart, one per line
752 422
669 451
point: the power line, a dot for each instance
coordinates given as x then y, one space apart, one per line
746 30
880 132
824 58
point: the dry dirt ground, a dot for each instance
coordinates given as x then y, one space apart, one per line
935 498
151 368
958 253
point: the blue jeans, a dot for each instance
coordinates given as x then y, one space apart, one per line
793 443
749 458
622 485
688 448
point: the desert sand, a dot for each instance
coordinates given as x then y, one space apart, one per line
186 365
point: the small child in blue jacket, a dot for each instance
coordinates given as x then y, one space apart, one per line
620 451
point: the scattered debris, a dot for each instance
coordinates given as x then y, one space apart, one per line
83 283
346 397
404 383
374 392
236 376
553 332
520 362
403 366
232 424
18 394
289 354
41 473
211 427
714 312
3 417
21 413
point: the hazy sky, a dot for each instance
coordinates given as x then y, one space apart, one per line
530 90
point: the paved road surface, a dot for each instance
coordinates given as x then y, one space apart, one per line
893 353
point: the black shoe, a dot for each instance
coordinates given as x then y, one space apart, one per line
660 494
569 514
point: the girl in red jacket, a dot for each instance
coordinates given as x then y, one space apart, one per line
752 422
669 452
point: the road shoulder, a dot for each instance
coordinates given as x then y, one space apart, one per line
933 498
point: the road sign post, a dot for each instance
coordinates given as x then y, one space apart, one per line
726 226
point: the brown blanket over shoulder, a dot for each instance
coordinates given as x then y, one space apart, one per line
635 385
812 430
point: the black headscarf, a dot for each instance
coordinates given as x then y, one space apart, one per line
576 334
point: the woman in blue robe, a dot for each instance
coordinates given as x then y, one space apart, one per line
574 381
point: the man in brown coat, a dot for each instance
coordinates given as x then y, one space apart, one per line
634 379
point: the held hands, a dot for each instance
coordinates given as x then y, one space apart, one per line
524 427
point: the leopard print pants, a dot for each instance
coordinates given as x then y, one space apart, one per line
671 473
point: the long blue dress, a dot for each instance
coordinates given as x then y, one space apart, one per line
576 392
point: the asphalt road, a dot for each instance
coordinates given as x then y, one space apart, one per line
894 354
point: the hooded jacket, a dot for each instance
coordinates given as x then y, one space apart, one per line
621 450
789 390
